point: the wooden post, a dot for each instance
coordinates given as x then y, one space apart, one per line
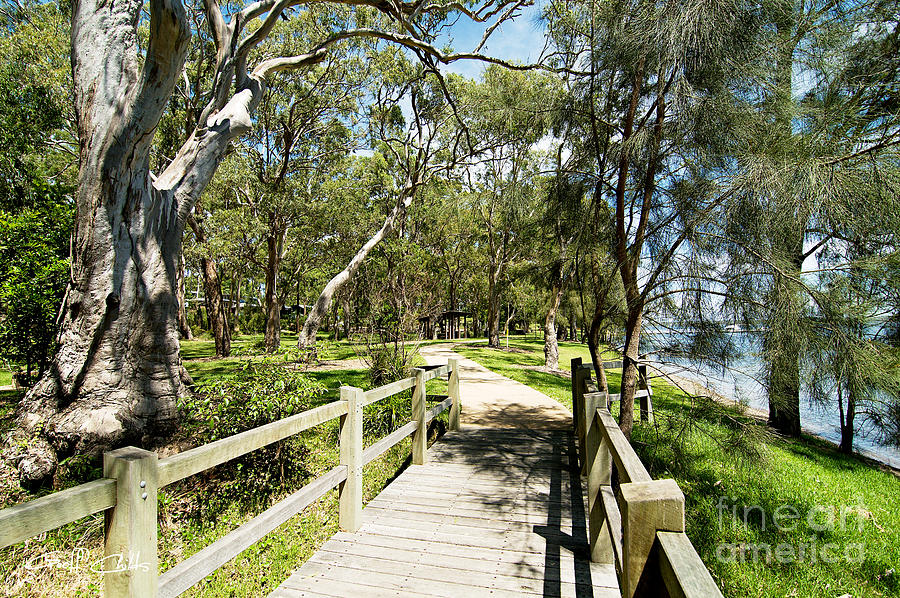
453 391
646 507
351 449
599 470
130 526
420 436
646 401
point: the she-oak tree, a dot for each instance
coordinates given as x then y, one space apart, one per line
118 372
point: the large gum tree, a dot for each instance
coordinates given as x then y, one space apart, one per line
118 372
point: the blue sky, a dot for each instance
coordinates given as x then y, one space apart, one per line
520 40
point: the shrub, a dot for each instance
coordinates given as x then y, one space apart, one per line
259 393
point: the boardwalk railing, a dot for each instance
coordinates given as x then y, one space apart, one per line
128 491
640 528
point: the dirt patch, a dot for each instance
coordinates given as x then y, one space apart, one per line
342 364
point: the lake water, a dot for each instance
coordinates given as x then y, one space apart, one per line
741 383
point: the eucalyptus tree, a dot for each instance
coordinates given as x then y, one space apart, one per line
506 113
118 372
418 151
304 129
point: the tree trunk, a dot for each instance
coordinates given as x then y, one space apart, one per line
236 299
118 373
847 420
630 356
783 347
593 339
307 336
215 307
184 329
551 347
347 316
493 315
273 305
212 291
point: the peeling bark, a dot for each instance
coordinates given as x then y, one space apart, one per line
184 328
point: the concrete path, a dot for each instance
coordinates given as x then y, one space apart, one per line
494 401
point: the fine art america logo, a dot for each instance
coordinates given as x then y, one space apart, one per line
820 522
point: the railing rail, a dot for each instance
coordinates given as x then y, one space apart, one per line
640 528
128 491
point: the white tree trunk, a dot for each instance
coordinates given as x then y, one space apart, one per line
118 372
307 337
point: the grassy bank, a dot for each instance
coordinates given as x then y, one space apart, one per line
197 511
796 519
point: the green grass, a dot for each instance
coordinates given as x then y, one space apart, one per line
531 353
687 442
250 344
5 377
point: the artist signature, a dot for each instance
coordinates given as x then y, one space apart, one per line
77 560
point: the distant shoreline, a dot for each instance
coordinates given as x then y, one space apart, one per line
698 389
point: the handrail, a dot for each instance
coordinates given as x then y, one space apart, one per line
646 518
201 458
629 465
132 477
20 522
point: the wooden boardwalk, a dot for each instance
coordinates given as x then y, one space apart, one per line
495 512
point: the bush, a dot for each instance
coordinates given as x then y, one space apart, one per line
34 270
259 393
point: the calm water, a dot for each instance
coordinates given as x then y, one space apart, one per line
741 383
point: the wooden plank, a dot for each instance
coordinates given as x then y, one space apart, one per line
682 570
646 508
20 522
187 573
388 390
628 463
377 449
607 365
131 526
478 581
420 435
432 372
285 592
560 567
497 484
525 504
481 538
541 502
409 585
453 391
438 409
188 463
534 544
613 524
531 517
386 513
300 583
